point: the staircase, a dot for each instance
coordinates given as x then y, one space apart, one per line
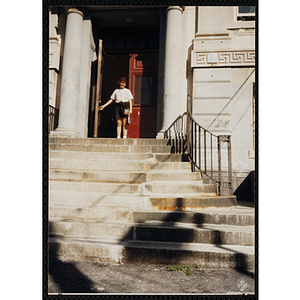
135 200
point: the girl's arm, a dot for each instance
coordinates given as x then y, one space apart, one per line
106 104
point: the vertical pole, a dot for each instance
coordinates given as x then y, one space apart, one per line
205 151
211 157
199 148
192 146
229 165
219 166
98 90
195 142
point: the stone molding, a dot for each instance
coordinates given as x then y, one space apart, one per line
75 10
223 58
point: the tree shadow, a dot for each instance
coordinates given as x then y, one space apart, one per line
70 279
65 274
241 264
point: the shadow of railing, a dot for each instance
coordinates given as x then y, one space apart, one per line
241 264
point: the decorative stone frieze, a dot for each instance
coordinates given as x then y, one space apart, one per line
223 58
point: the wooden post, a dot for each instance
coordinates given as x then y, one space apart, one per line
98 89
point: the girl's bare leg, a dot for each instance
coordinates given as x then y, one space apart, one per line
124 121
119 128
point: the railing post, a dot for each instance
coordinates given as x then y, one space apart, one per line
193 143
219 166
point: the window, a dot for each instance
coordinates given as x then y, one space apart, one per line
246 13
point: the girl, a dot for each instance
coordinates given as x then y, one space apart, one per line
123 98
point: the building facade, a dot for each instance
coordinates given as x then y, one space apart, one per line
167 53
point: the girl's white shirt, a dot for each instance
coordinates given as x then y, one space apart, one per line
121 95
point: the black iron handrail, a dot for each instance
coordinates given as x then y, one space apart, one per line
204 149
53 118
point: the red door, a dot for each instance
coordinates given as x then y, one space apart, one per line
143 85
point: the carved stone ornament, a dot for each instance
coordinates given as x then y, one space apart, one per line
224 58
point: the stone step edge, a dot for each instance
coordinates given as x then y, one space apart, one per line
175 245
209 215
150 154
158 225
112 139
153 196
146 157
147 161
231 211
168 171
206 255
237 210
165 149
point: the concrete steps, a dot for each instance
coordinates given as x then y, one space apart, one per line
220 216
124 176
109 141
114 156
135 200
174 232
112 148
110 165
110 249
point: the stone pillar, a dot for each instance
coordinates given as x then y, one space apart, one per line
70 84
173 67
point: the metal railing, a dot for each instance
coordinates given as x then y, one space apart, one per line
204 149
53 118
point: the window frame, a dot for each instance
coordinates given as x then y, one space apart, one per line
239 16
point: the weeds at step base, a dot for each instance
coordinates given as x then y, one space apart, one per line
185 269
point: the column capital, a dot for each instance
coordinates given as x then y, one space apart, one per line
75 10
180 8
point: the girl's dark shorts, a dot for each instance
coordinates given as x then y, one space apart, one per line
119 109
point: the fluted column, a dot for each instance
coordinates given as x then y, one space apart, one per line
173 66
68 109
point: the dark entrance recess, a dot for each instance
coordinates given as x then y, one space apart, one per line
125 33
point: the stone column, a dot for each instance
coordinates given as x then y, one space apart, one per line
70 84
173 67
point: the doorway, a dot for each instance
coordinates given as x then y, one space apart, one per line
130 38
114 67
141 72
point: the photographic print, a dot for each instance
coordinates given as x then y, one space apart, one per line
150 148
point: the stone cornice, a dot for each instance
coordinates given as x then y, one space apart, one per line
230 58
180 8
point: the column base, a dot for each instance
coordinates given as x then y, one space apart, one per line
65 133
160 135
